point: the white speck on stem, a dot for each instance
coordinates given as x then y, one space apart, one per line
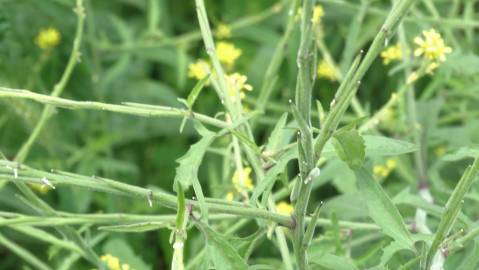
312 175
15 173
47 183
148 197
178 245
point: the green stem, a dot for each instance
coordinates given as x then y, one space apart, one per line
271 75
128 108
306 73
23 253
193 36
70 233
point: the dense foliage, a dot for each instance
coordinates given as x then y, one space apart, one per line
292 134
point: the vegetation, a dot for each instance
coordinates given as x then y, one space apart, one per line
278 134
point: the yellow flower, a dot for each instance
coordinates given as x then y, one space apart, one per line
381 171
227 53
440 151
327 70
236 83
431 67
284 208
391 164
242 180
223 31
230 196
199 69
431 46
318 12
412 78
47 38
114 263
391 53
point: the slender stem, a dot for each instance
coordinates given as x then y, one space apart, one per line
128 108
59 87
23 253
444 22
29 175
33 199
192 36
271 75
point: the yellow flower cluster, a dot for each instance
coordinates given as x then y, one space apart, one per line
48 38
284 208
385 170
114 263
431 46
242 180
327 70
392 53
227 53
318 13
236 83
223 31
199 69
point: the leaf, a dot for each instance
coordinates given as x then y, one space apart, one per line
271 175
120 249
382 210
349 146
333 262
135 227
244 244
405 197
220 250
389 251
462 153
378 146
246 141
453 208
276 137
187 171
190 100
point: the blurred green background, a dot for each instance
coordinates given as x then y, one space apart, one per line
139 51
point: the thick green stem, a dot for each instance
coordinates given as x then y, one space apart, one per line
306 61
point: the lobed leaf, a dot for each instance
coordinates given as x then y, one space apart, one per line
187 171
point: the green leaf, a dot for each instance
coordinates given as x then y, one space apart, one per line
220 250
122 250
190 100
378 146
246 141
390 250
276 137
462 153
349 146
382 210
135 227
272 174
187 171
244 244
333 262
405 197
453 208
